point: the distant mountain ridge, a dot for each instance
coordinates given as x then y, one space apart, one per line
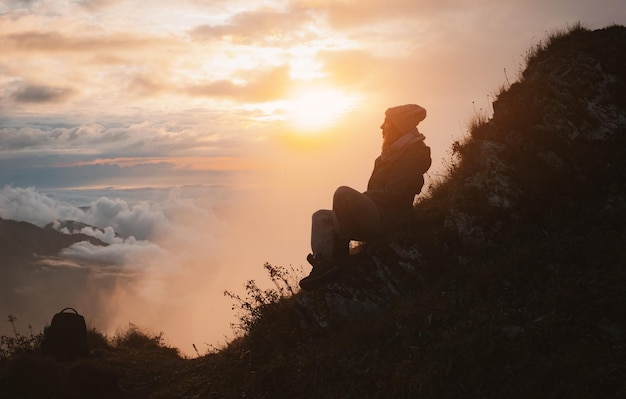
23 241
70 226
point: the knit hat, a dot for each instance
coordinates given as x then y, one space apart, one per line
405 117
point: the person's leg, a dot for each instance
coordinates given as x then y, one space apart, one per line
323 234
356 215
323 244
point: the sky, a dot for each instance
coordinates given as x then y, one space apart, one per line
199 136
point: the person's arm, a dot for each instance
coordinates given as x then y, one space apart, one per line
395 185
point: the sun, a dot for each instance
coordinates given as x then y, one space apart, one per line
315 109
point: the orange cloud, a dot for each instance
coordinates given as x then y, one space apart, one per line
257 27
261 86
49 41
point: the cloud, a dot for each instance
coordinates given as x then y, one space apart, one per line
140 220
117 220
15 139
346 14
261 27
52 42
355 68
41 94
98 5
99 68
146 86
106 235
37 171
20 3
149 282
137 233
179 291
62 138
128 255
27 204
120 139
261 86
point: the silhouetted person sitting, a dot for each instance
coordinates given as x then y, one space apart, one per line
396 179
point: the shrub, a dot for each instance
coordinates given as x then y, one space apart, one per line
19 343
252 307
134 338
550 41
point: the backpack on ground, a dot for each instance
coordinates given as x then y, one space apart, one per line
66 337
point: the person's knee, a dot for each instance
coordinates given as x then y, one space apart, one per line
322 215
344 193
318 213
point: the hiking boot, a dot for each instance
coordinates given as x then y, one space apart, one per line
322 273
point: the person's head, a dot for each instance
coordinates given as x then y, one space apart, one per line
401 120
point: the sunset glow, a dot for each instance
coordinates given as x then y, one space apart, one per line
311 111
202 134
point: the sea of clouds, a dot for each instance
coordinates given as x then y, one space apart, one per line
171 254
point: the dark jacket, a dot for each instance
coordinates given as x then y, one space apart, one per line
395 183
